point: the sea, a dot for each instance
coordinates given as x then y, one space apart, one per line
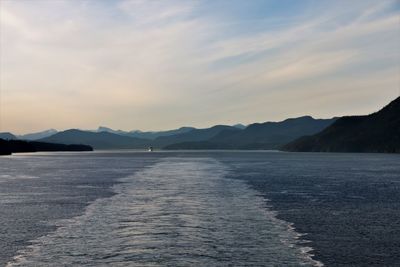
199 208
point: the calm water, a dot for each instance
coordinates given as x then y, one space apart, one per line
199 209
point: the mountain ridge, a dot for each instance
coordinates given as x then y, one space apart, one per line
377 132
267 135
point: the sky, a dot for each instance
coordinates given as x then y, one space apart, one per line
163 64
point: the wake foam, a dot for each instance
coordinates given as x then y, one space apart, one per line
179 212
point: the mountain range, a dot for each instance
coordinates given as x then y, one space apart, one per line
268 135
112 140
377 132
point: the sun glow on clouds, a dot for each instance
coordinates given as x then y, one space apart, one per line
162 64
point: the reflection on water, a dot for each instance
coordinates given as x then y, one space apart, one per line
178 212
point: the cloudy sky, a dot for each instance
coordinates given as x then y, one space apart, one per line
150 65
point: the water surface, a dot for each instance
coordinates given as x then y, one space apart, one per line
199 209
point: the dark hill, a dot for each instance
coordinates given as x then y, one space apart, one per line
377 132
268 135
100 140
17 146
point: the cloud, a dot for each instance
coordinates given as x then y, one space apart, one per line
163 64
156 11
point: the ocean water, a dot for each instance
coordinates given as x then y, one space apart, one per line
199 209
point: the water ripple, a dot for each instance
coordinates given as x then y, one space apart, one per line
179 212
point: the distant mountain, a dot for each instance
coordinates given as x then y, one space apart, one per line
145 135
377 132
7 136
109 140
109 130
38 135
268 135
194 135
8 147
100 140
239 126
154 135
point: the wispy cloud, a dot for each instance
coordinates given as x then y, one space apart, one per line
156 11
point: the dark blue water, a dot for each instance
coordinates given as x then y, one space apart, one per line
199 209
348 205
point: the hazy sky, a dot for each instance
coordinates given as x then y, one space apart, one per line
137 64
